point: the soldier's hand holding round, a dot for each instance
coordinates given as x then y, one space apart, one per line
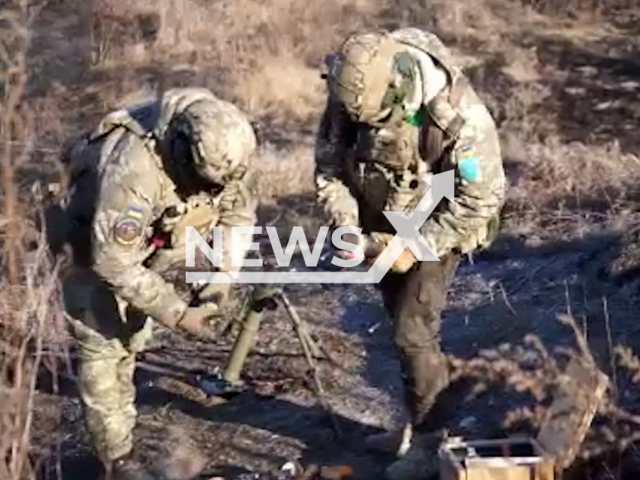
376 243
199 321
238 194
379 241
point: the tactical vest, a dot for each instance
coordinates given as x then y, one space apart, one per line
388 164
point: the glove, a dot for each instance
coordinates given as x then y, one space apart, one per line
199 211
197 322
237 200
378 242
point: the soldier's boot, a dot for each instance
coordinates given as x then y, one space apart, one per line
395 442
444 410
420 462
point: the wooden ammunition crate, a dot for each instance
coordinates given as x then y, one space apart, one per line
524 458
500 459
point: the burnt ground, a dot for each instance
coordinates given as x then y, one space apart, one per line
503 295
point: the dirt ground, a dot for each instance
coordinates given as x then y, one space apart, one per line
565 91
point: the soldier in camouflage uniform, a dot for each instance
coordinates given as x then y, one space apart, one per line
399 108
140 173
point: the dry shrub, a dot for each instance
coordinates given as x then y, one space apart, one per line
28 285
534 369
245 31
32 332
486 22
14 120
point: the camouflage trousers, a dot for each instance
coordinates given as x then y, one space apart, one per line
415 301
108 334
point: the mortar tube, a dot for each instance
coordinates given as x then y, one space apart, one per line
261 298
243 344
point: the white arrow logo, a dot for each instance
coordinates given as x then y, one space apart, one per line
408 235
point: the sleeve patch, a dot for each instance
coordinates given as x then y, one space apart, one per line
128 228
469 164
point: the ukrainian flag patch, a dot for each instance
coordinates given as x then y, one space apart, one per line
128 228
468 163
133 212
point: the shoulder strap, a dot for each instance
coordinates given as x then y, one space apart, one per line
432 143
120 118
457 90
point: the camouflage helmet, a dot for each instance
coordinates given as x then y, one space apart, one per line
221 138
370 74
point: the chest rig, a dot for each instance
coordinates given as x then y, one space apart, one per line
387 164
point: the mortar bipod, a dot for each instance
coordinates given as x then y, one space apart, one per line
228 380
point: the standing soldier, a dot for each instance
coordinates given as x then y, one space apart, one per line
135 181
399 108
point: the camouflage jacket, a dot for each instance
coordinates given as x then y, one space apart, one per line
120 191
361 171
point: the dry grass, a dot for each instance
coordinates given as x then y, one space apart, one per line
30 317
267 61
32 333
284 172
557 170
